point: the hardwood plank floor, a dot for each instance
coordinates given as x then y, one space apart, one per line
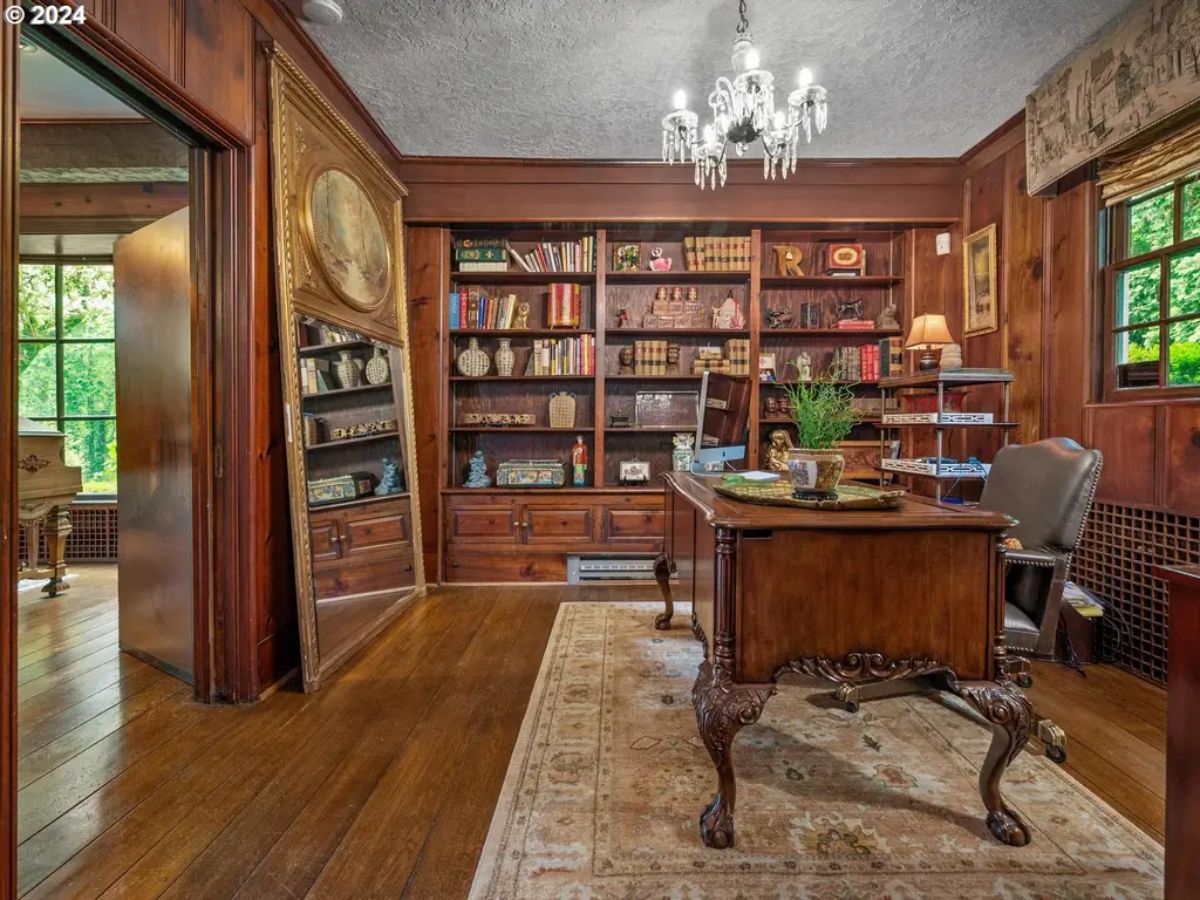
383 783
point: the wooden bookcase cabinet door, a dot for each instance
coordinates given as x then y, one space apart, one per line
375 537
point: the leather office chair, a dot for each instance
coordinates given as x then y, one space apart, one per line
1048 487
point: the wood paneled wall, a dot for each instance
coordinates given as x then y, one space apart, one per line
1048 334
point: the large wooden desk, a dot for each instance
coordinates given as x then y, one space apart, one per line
1183 735
853 597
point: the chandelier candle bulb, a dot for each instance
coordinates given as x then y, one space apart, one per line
680 100
805 78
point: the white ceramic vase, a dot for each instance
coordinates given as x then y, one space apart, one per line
505 357
378 370
348 373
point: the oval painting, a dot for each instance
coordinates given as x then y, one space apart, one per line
349 239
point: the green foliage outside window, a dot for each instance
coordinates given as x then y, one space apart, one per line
81 346
1151 227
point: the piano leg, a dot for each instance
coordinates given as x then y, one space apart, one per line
58 526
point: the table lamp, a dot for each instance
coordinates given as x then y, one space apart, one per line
928 333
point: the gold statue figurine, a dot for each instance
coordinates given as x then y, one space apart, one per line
777 451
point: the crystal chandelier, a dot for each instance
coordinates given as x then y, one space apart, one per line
743 111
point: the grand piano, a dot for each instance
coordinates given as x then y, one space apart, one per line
46 485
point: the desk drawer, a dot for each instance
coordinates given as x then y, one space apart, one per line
623 524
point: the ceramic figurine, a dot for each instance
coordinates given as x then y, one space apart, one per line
851 309
673 352
777 451
887 320
348 373
505 357
729 316
804 366
477 476
623 320
659 262
390 482
473 362
779 318
378 370
625 359
521 320
771 407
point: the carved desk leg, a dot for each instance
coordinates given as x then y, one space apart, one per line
663 567
1011 717
722 708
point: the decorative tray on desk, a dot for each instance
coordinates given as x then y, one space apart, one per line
780 493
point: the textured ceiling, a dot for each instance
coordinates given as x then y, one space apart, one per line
592 79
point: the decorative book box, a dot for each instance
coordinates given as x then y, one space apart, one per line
531 473
350 486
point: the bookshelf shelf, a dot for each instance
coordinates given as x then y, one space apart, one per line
828 332
519 332
510 277
518 429
468 378
319 349
678 277
613 333
653 377
350 391
831 281
348 442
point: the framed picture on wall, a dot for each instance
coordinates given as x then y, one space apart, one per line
981 303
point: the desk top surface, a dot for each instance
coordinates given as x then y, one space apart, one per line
913 512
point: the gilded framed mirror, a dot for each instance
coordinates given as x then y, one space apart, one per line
346 376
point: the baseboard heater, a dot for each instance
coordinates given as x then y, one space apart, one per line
584 569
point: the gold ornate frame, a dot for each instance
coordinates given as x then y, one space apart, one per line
308 137
988 234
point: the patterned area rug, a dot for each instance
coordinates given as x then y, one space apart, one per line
609 776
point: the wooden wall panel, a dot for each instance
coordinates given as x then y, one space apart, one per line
1021 284
1182 458
1126 435
1066 326
217 59
156 29
428 254
41 203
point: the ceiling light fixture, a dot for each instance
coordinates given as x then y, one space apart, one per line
743 111
322 12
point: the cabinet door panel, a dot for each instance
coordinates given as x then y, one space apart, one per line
558 524
368 533
633 524
326 540
484 524
490 567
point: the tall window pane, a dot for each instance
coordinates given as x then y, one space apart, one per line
1184 299
1151 223
92 445
89 380
1191 210
1137 294
1184 353
35 307
88 301
37 379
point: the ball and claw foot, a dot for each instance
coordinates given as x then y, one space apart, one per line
716 826
662 622
1008 829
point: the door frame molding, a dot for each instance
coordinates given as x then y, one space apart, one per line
223 370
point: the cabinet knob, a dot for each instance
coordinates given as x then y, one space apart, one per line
517 524
335 539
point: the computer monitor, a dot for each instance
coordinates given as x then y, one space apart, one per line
721 419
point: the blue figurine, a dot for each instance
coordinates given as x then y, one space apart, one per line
477 476
390 482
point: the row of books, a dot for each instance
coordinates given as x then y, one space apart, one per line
870 362
703 253
474 309
563 356
650 358
492 255
316 376
565 309
733 359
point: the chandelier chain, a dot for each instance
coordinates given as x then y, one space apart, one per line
743 24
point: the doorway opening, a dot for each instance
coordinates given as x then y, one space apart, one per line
111 451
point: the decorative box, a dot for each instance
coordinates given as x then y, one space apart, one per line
845 259
531 473
497 419
350 486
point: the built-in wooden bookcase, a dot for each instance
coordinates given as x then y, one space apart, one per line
541 526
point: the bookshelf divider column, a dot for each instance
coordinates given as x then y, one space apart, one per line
754 320
600 401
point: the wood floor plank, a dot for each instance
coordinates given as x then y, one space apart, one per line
60 659
356 710
1119 710
67 746
74 669
72 690
379 851
37 648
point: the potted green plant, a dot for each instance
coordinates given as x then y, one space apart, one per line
823 412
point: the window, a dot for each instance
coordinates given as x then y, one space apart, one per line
66 363
1153 288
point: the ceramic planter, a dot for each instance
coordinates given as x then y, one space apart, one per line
815 471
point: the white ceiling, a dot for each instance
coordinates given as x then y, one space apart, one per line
51 89
593 78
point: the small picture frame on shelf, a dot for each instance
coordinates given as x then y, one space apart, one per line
766 367
627 257
634 472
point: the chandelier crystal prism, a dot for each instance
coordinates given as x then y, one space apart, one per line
743 111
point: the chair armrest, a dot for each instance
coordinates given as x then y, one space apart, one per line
1030 557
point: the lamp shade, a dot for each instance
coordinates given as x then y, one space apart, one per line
928 333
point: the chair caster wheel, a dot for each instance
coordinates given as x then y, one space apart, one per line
1025 680
851 706
1057 754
